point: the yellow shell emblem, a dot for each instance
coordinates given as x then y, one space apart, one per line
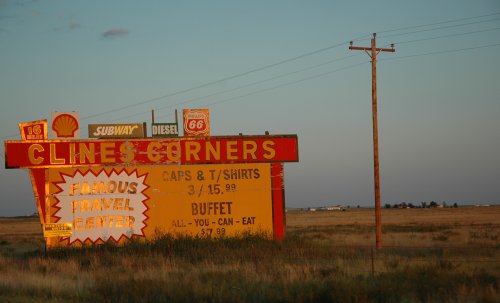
65 126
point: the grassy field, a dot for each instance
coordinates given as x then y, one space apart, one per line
429 255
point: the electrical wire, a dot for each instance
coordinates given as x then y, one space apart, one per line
438 23
447 36
331 72
437 28
361 38
243 86
242 74
312 67
441 52
287 84
219 80
300 80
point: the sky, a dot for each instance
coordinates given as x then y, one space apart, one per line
277 66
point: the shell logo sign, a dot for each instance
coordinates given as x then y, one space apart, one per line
65 125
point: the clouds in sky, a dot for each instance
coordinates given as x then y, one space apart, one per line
73 25
114 33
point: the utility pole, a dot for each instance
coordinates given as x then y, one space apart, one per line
372 52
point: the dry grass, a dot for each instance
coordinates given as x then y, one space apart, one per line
402 227
415 216
18 235
429 255
20 229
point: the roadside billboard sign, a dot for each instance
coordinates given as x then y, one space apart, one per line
91 191
114 190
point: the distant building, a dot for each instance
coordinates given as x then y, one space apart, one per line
337 207
328 208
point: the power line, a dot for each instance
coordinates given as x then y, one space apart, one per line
286 84
438 23
305 69
298 81
208 83
302 56
276 86
331 72
448 36
219 80
442 52
274 65
438 28
244 86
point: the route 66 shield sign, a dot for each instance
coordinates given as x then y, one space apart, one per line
196 122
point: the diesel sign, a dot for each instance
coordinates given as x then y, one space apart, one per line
165 130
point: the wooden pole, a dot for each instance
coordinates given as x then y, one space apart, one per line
372 52
376 166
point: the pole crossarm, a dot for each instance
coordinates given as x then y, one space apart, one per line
378 49
372 51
